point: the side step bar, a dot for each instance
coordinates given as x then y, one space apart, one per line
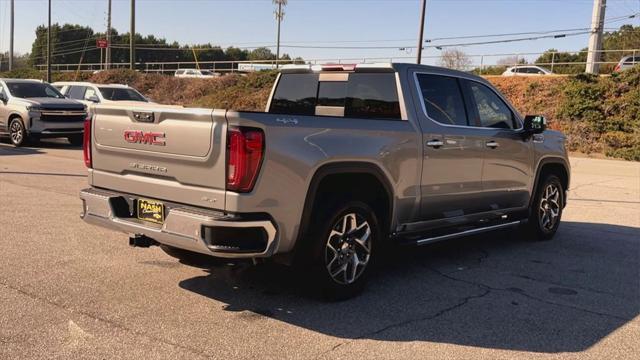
463 233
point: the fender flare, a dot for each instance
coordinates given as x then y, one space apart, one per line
352 167
546 161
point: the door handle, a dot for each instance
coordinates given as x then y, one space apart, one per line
435 143
492 144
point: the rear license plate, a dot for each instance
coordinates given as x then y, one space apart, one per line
150 210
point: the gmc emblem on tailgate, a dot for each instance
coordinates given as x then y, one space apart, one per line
144 137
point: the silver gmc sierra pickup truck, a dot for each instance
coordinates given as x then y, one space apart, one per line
346 160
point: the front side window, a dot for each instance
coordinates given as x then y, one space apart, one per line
76 92
443 99
32 90
295 94
492 111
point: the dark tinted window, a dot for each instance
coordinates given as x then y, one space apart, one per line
492 111
332 93
295 94
32 90
443 99
120 94
76 92
372 96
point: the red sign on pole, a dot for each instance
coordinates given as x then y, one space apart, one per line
102 43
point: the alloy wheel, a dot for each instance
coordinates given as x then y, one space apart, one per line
16 132
348 248
549 209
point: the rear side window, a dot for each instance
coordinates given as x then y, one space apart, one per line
76 92
372 96
295 95
443 100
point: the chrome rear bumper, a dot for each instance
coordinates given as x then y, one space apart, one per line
184 227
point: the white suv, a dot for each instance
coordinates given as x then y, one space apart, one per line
90 93
526 70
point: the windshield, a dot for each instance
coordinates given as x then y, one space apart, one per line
33 90
121 94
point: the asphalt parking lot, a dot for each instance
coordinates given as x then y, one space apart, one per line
71 290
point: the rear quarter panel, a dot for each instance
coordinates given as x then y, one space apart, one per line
297 146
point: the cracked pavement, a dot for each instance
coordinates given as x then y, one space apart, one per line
70 290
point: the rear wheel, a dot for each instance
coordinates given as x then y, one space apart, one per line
344 245
17 132
546 211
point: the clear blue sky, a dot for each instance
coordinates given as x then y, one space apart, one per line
326 22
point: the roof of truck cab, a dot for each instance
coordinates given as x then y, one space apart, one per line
379 67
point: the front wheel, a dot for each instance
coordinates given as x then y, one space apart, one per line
17 132
344 248
547 207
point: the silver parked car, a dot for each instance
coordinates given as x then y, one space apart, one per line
32 109
627 63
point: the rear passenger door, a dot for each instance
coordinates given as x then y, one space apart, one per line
453 151
507 171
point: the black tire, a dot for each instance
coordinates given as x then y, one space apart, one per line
546 208
75 140
17 132
346 249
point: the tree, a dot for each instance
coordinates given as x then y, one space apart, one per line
455 59
561 62
261 53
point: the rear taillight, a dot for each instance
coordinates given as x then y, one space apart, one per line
245 148
86 143
617 68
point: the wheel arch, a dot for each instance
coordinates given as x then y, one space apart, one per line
552 165
12 116
341 170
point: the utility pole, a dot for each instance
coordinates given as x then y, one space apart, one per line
49 46
132 37
108 50
11 26
279 17
421 34
595 40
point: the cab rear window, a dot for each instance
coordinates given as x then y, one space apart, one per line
363 95
296 95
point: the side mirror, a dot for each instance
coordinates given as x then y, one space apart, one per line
535 124
3 97
93 98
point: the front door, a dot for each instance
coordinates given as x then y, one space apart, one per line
507 172
451 184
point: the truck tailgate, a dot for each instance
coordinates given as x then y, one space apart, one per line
162 152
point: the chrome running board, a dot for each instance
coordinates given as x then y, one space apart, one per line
466 233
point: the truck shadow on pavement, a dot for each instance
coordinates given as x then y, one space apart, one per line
492 291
